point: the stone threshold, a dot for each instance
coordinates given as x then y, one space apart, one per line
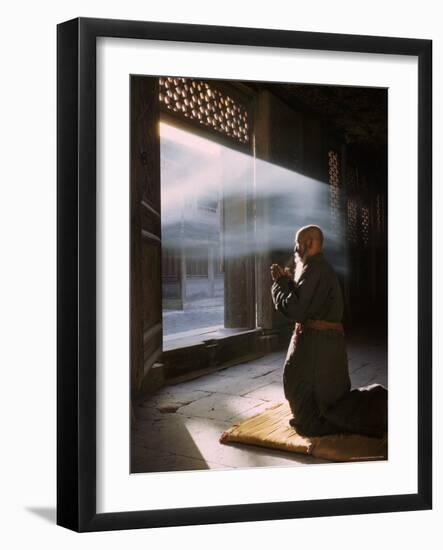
202 336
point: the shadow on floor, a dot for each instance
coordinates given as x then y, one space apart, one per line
48 514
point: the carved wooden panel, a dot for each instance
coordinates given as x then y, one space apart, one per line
334 186
145 141
352 228
146 307
365 225
205 104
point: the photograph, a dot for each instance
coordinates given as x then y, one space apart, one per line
243 274
258 274
221 251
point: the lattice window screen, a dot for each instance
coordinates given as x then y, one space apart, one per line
200 101
365 225
379 213
334 186
352 221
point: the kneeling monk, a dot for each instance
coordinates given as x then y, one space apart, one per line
316 379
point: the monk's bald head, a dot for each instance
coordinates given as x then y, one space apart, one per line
308 241
307 232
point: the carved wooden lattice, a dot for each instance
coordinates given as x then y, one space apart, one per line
379 213
365 225
202 102
334 186
352 221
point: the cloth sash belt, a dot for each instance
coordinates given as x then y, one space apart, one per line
318 324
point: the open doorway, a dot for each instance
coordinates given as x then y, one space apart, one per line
218 188
207 241
192 234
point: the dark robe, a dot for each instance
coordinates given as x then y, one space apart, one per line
316 378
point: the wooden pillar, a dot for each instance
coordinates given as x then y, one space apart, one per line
146 292
373 240
182 274
346 244
238 263
211 278
262 153
278 146
182 257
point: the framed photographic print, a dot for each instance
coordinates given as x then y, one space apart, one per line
244 274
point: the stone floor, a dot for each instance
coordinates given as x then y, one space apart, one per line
179 427
198 315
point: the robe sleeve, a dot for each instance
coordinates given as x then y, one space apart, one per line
293 299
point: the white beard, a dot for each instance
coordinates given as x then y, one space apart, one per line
299 264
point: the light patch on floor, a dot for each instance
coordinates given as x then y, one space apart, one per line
178 428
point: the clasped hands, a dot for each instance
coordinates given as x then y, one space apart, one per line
278 271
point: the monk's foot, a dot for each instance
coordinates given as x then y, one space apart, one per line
292 422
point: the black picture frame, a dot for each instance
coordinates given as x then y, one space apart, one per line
76 274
